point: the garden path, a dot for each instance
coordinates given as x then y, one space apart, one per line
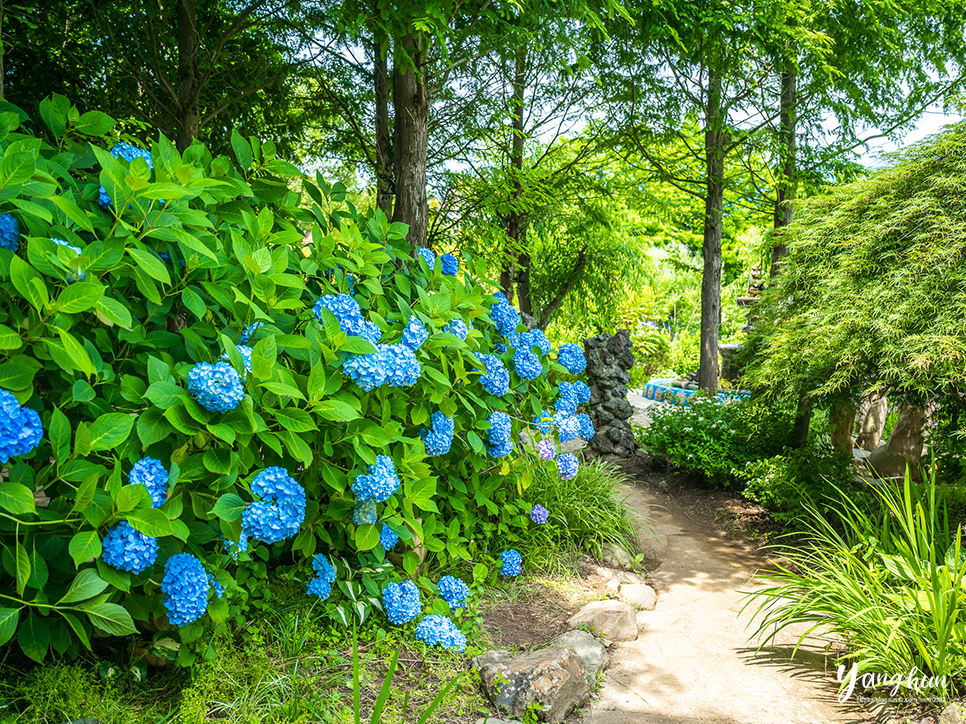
693 662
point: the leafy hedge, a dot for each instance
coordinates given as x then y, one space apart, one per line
113 335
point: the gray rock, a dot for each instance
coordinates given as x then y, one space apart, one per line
955 713
905 443
616 557
490 720
622 576
555 678
639 595
592 651
612 620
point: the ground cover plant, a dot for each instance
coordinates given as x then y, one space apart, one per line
217 381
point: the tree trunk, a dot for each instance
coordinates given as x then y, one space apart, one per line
803 420
547 314
787 190
842 417
411 102
523 280
384 188
189 44
515 220
714 142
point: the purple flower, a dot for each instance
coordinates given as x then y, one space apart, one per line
546 449
539 514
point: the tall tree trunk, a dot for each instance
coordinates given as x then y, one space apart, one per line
189 44
714 143
411 102
523 279
803 420
515 221
383 144
787 183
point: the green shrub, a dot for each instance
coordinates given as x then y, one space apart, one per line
891 581
179 260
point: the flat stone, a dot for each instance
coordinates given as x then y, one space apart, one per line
953 714
638 594
613 585
622 576
588 648
612 620
555 678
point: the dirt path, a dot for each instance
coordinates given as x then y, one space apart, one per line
693 662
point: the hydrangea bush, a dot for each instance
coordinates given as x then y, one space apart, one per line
200 373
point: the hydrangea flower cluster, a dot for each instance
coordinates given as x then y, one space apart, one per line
438 630
246 353
380 483
152 475
454 591
321 585
582 391
568 427
501 348
401 602
128 152
281 509
439 437
572 357
539 514
402 367
567 465
219 589
504 316
586 426
365 513
127 549
457 327
387 537
496 381
76 250
186 588
527 364
536 338
546 449
250 330
9 233
233 549
217 387
567 402
512 562
20 428
395 365
428 256
544 422
349 313
415 334
499 434
449 265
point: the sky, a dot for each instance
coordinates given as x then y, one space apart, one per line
932 122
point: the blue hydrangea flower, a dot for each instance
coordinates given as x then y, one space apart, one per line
457 327
129 152
370 332
323 568
415 334
280 511
449 265
9 233
539 514
216 387
504 316
380 483
439 437
501 348
568 427
582 391
365 513
103 200
544 422
367 370
152 475
536 338
546 449
586 426
402 367
127 549
349 313
387 537
527 364
438 630
567 402
572 357
428 256
250 330
499 434
567 465
246 353
320 588
219 589
185 587
233 549
496 381
454 591
20 428
401 602
512 562
76 250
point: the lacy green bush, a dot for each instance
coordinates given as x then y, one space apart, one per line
235 373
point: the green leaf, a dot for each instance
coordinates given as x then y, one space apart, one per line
29 283
81 391
114 312
8 623
23 567
73 212
78 355
336 410
242 149
16 168
367 537
132 497
283 390
34 637
17 499
357 345
150 521
78 627
15 376
218 460
9 339
264 356
59 435
84 546
195 303
164 394
150 264
152 427
110 618
229 507
86 585
78 297
110 430
94 123
296 420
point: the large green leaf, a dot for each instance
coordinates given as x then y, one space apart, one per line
150 264
16 498
59 435
79 297
110 618
150 521
29 283
110 430
86 584
84 546
9 339
34 637
229 507
8 623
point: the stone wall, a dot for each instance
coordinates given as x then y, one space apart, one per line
609 357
